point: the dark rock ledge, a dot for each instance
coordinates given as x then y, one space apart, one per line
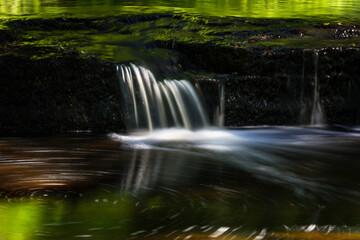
268 79
276 87
60 93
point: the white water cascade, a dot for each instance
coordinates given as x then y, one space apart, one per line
317 115
176 128
311 107
152 104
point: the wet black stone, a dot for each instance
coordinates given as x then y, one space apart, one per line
101 23
7 36
58 94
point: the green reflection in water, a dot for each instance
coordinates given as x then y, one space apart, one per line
104 215
327 9
63 219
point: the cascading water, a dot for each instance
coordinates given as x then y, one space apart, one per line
317 115
157 106
241 163
152 104
311 108
219 113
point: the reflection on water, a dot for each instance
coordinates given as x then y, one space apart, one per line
291 157
328 9
270 183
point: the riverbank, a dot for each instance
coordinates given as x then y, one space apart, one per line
59 74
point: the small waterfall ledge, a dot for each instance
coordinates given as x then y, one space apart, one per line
151 104
267 89
311 87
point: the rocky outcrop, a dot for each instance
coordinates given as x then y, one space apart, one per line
279 89
7 36
59 93
268 67
107 24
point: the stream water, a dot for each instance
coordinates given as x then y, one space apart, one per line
180 181
178 174
182 184
336 10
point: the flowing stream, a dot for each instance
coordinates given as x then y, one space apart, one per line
178 176
188 130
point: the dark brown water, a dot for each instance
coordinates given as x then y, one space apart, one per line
274 183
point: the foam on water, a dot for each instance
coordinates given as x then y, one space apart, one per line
171 135
236 138
270 154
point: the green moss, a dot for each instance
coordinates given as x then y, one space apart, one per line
307 43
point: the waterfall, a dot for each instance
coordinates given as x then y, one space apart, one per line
311 108
152 104
219 113
317 115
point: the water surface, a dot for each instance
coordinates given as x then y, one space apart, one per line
177 183
336 10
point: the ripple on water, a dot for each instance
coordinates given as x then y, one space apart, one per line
284 183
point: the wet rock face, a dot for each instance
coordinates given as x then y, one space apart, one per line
107 24
281 92
58 94
271 67
267 65
7 36
275 85
259 100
